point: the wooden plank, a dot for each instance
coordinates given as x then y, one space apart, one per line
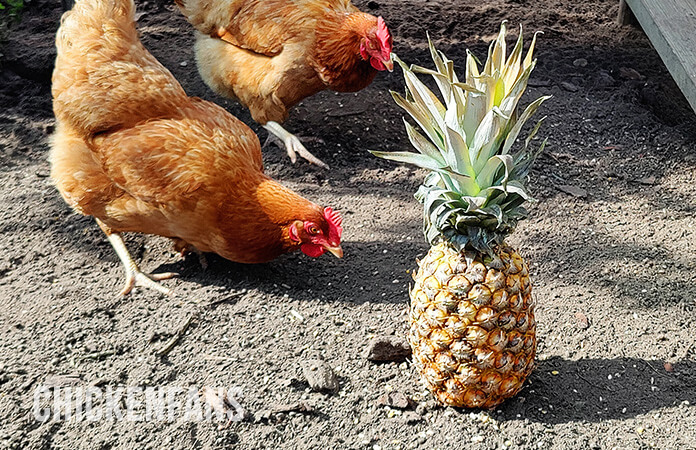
625 16
671 27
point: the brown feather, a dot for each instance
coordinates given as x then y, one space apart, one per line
132 150
271 54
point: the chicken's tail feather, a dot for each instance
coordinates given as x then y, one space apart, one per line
104 78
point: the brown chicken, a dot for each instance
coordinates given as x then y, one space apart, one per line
135 152
270 54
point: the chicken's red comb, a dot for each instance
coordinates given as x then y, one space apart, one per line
335 220
384 35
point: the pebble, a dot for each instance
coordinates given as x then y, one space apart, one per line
387 348
395 400
605 80
62 380
279 411
582 320
262 415
410 417
320 375
630 74
580 62
573 190
569 86
539 83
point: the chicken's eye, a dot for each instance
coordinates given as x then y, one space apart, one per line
312 229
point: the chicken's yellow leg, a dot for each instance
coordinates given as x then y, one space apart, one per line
292 144
134 277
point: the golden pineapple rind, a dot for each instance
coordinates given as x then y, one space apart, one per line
472 327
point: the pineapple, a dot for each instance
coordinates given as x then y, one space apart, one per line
472 328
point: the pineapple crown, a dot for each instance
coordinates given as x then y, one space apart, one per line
474 195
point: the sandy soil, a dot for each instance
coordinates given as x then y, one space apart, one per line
610 242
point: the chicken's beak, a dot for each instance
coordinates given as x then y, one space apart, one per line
337 251
389 64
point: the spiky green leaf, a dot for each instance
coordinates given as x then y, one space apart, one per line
475 193
416 159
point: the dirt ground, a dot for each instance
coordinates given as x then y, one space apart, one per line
610 244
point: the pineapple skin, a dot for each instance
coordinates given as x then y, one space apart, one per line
472 328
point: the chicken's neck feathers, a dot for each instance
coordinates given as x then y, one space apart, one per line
267 228
337 52
281 205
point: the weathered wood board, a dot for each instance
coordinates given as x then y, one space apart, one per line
671 27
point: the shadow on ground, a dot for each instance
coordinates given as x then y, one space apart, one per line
596 390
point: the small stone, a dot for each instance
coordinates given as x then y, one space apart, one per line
648 180
568 86
573 190
387 348
580 62
277 412
62 380
183 63
582 320
605 80
298 407
320 375
669 367
411 417
630 74
397 400
262 415
538 83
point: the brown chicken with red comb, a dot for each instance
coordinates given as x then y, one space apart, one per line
271 54
135 152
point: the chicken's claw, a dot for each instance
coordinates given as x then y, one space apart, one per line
292 144
184 248
134 276
138 278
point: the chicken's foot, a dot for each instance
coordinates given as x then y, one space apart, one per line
184 248
134 277
292 144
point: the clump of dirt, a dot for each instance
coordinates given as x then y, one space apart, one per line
610 241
